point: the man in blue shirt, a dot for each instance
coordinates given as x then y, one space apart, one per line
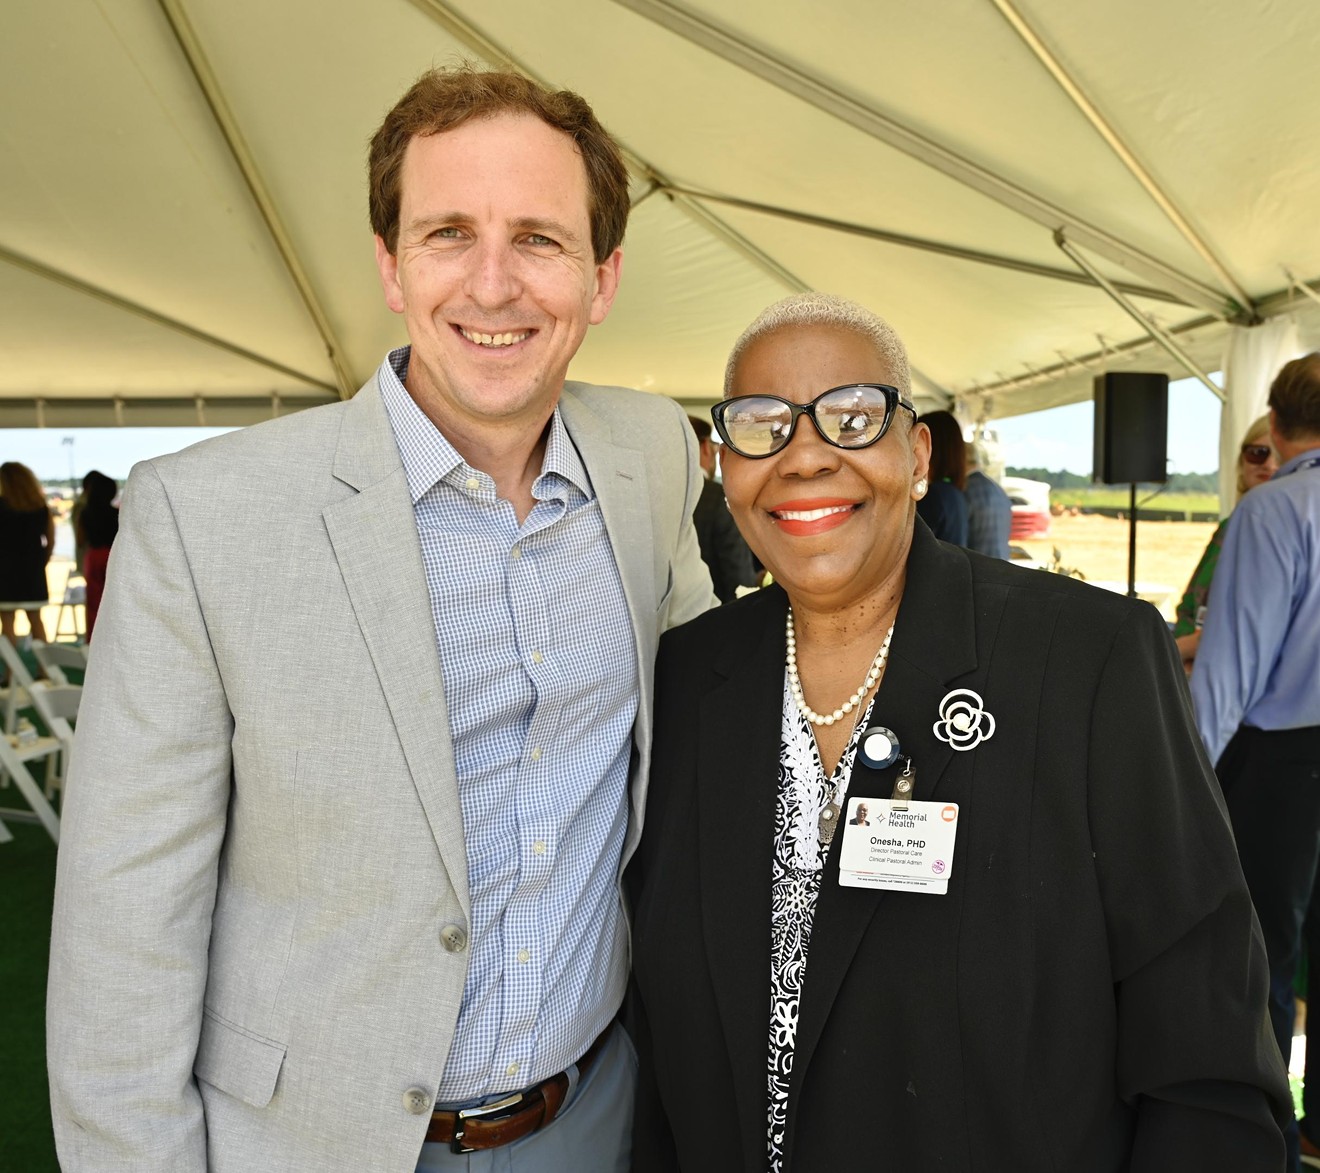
1256 687
989 511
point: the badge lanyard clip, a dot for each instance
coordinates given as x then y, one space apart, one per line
903 786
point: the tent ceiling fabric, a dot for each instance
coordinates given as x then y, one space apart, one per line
139 282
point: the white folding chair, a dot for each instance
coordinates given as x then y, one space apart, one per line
55 658
13 765
75 596
56 705
57 708
14 694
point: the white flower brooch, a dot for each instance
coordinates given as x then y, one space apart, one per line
963 722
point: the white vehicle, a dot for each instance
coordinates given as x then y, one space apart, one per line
1031 507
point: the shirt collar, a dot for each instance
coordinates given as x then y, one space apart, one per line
1297 462
429 457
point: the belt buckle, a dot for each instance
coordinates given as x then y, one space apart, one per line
506 1106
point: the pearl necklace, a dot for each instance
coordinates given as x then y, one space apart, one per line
795 681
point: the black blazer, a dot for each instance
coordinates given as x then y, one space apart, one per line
1088 996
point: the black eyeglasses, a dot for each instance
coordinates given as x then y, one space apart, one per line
854 416
1256 453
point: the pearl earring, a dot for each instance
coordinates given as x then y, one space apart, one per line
920 487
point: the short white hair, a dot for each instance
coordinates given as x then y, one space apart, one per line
827 309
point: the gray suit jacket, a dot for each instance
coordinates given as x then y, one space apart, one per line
262 840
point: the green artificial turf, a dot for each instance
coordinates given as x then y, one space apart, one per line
27 885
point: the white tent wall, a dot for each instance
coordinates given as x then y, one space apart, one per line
1251 360
159 262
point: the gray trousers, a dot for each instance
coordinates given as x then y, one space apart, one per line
591 1134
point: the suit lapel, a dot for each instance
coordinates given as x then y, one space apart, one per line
374 536
934 644
738 774
618 477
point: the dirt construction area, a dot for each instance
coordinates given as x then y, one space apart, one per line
1167 553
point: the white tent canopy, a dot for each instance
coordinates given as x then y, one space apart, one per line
183 232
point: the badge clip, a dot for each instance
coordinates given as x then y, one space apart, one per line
878 747
903 787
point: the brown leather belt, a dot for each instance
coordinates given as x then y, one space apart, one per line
490 1125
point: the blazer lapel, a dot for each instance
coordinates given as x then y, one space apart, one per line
934 644
738 775
618 477
375 542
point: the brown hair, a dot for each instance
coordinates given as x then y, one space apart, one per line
1295 398
442 99
701 427
948 451
20 488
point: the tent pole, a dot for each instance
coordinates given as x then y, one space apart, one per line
1158 333
207 82
1302 287
121 303
868 120
1120 148
916 242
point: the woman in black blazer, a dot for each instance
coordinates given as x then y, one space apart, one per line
1076 984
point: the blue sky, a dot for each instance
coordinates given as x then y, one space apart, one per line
1054 439
1061 437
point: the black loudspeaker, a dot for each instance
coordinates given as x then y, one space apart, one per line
1131 428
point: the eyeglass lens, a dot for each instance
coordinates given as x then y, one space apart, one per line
850 417
1255 453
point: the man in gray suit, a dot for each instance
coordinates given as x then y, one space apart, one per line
367 725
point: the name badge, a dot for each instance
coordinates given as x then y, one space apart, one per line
905 850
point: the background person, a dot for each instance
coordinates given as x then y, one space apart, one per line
363 742
1256 464
1257 694
27 540
942 506
1090 991
722 547
96 528
989 510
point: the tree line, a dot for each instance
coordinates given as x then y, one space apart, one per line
1179 482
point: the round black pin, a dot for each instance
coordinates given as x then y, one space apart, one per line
878 747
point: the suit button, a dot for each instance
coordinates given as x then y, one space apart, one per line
416 1100
454 938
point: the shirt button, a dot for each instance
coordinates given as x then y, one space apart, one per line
416 1100
524 956
515 554
454 938
539 847
536 754
536 657
512 1069
473 484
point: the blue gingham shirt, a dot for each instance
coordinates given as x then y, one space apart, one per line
540 674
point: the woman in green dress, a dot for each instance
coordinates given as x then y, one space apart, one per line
1257 463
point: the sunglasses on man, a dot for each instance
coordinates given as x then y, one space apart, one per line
853 416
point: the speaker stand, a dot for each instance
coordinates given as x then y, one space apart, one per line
1132 542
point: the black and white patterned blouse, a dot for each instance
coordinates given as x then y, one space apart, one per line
799 858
